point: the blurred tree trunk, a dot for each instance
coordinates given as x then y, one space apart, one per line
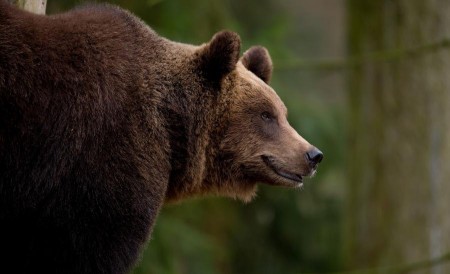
35 6
399 190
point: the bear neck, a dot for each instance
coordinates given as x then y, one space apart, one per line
192 113
191 125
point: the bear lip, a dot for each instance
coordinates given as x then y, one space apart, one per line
270 162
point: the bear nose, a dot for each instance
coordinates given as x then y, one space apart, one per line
314 156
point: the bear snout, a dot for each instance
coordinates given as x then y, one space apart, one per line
314 157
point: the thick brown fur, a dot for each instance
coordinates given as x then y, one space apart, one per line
102 121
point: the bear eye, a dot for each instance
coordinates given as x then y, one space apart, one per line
266 116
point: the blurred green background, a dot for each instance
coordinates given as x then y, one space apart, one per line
363 208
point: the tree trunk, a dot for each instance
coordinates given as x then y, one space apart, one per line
399 177
35 6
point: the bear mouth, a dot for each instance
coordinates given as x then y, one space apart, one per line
270 162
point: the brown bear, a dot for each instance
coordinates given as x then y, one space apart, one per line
102 121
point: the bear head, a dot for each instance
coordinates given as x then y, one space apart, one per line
254 141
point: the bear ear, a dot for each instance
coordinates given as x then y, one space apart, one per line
258 61
220 56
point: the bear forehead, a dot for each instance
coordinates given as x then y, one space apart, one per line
263 90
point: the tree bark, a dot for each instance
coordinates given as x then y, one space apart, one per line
399 177
35 6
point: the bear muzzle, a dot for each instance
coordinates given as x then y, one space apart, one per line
291 171
272 163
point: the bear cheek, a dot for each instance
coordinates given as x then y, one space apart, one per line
242 150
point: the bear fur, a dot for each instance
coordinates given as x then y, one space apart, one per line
102 121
